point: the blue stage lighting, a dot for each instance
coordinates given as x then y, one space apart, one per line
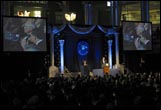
83 48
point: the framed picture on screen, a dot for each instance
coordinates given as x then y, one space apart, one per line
24 34
137 35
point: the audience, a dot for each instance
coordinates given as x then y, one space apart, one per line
128 91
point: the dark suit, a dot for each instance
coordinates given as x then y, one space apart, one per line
85 70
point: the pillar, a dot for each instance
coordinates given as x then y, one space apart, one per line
116 9
52 69
145 11
61 56
110 52
88 13
112 13
116 34
52 50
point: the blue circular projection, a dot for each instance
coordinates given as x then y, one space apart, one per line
83 48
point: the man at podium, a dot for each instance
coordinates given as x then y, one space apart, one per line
103 62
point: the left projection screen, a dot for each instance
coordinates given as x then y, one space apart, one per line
24 34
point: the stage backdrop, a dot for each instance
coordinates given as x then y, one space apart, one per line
91 43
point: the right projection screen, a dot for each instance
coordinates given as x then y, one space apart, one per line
137 35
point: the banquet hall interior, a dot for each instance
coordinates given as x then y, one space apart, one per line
76 55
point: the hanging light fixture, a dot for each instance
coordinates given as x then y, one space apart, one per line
108 3
70 16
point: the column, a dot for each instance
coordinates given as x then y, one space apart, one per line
52 69
88 13
110 52
52 49
112 13
61 56
116 34
145 11
116 8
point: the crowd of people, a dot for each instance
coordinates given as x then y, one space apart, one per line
128 91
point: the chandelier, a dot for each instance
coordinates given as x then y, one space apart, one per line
70 16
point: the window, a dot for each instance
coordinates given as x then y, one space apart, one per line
154 12
131 12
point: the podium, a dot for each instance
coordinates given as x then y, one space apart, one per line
114 72
106 69
98 72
